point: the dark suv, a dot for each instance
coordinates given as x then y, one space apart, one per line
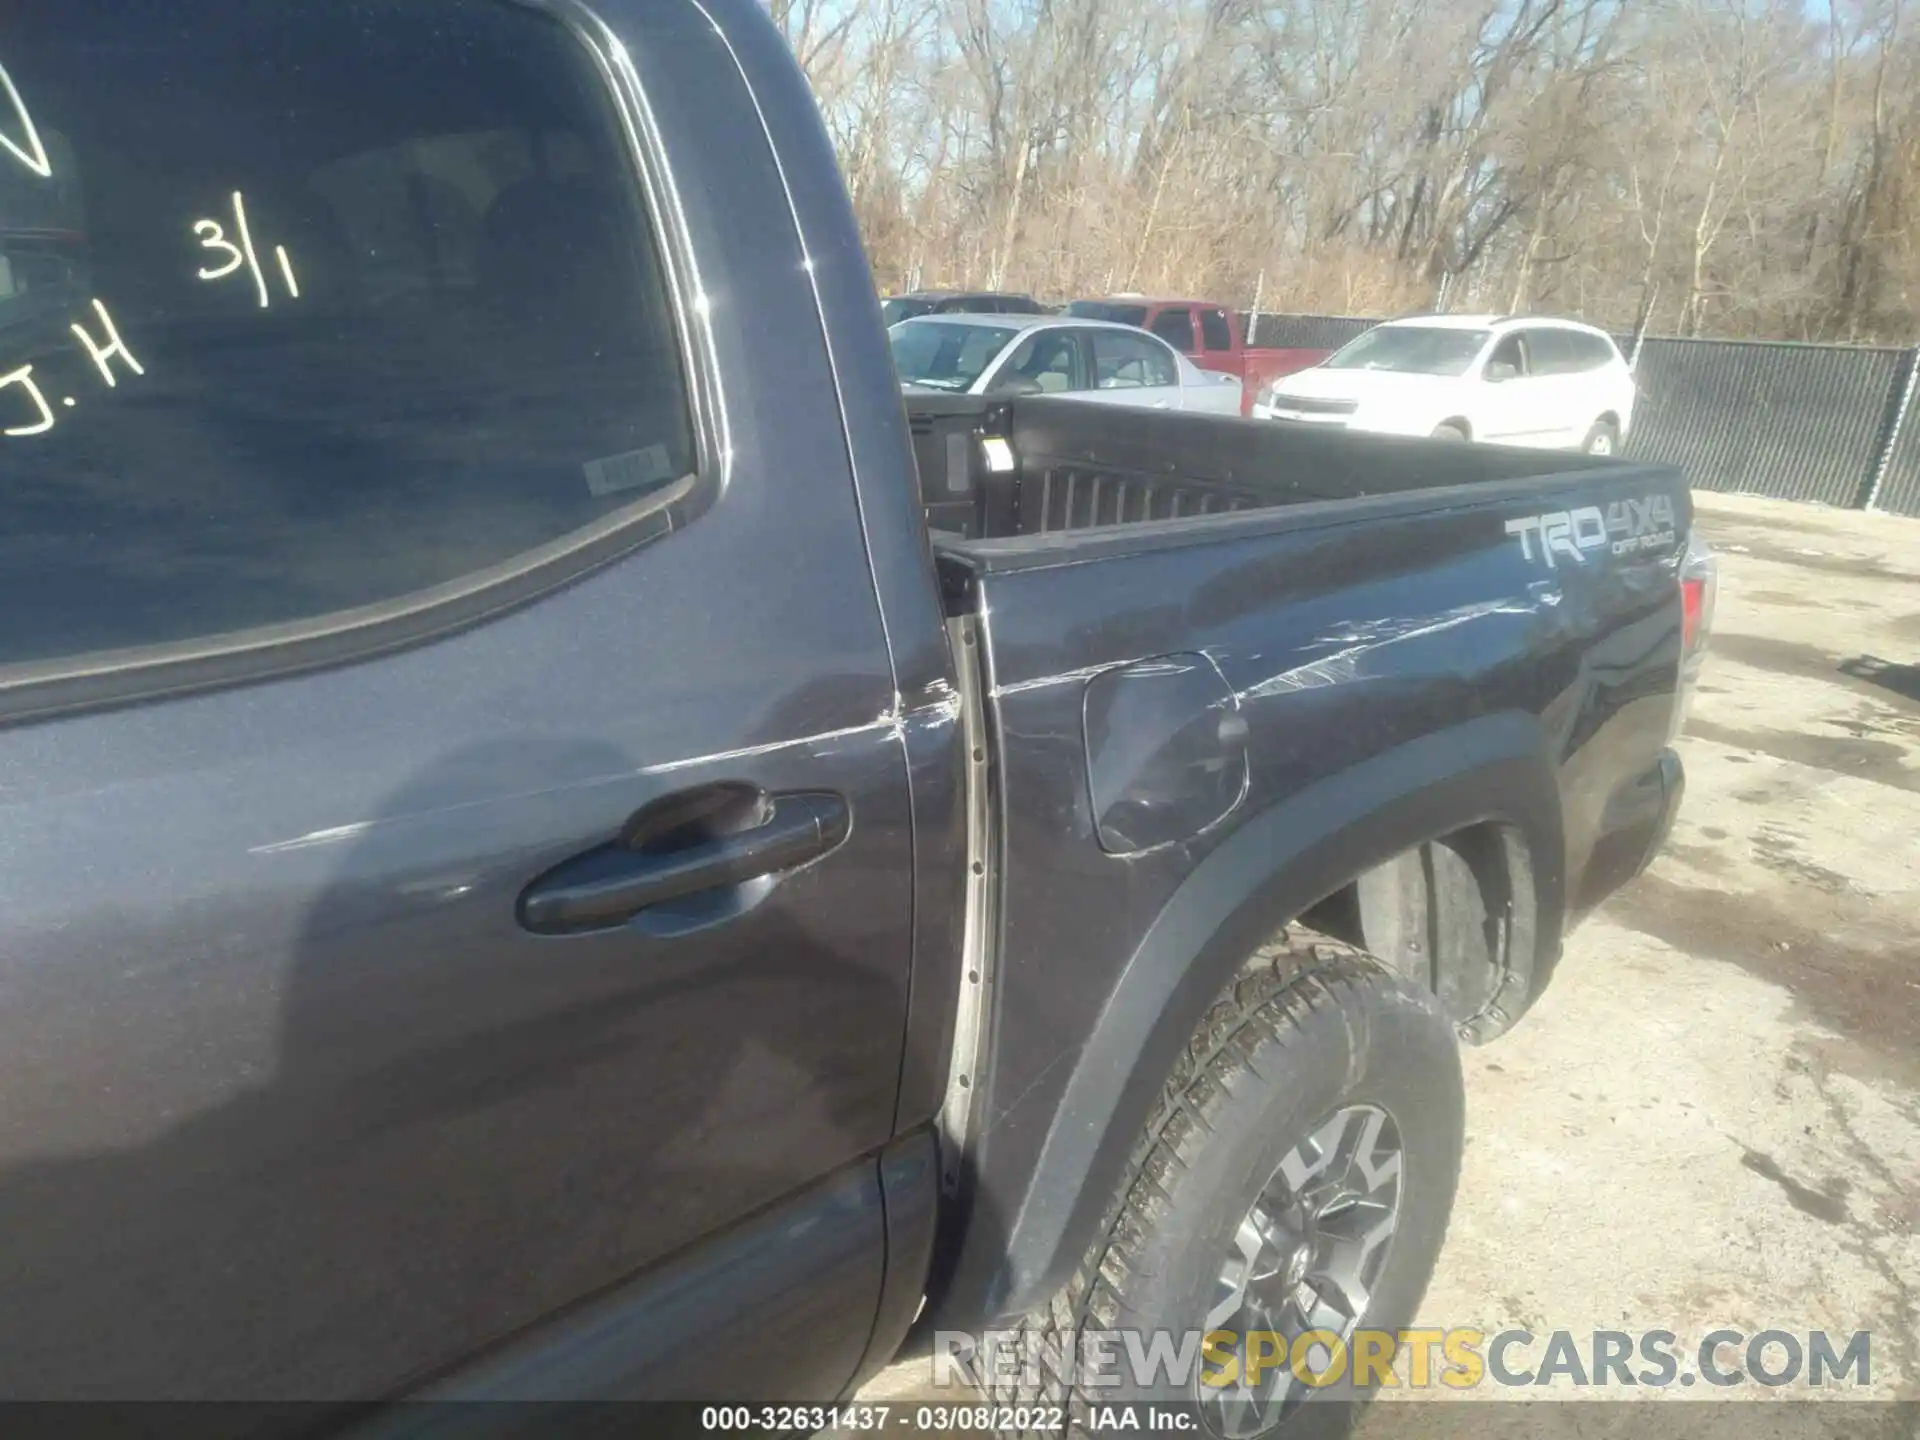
896 308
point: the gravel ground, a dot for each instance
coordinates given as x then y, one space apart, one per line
1712 1119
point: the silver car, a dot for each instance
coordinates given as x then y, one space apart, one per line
1089 360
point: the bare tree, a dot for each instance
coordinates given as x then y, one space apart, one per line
1711 166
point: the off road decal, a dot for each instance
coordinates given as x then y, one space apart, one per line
1624 528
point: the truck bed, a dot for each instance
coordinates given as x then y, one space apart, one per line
998 469
1212 650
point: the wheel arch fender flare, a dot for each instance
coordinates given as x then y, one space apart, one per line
1277 864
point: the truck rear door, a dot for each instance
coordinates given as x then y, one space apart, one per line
453 823
1216 341
1221 351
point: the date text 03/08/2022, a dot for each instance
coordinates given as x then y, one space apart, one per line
985 1419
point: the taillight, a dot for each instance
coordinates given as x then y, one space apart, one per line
1693 600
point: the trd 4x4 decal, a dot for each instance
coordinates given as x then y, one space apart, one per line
1623 528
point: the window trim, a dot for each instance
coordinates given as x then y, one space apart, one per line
102 678
1535 356
1500 340
1083 358
1173 356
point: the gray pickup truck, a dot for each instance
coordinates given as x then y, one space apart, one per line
543 857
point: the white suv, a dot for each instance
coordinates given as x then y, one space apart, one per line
1549 383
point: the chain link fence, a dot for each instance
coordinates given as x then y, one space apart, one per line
1303 332
1833 424
1800 422
1897 486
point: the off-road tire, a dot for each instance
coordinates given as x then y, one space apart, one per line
1309 1025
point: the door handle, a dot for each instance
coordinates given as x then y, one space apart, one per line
612 884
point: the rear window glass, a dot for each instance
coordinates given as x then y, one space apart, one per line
1553 352
902 308
1107 310
1594 350
307 308
1175 327
970 305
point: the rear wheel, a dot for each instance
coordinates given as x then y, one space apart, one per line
1602 439
1297 1176
1450 431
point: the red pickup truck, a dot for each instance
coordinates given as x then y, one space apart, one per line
1208 335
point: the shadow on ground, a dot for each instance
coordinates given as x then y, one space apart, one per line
1903 680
